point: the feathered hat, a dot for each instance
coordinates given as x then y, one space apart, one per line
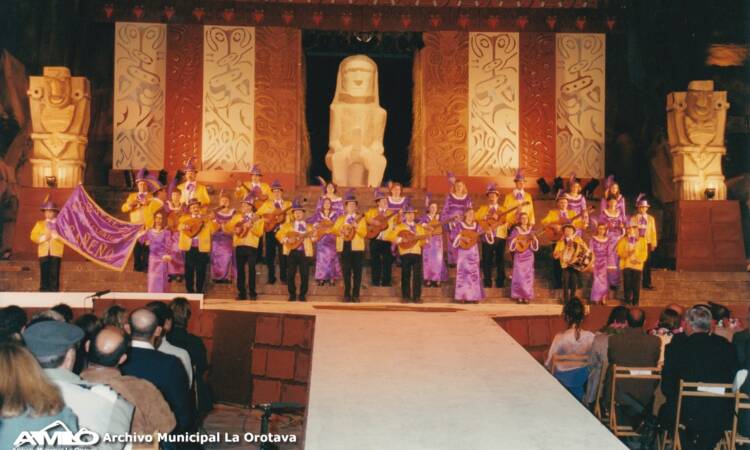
451 179
49 205
378 194
249 198
297 204
492 187
190 165
349 196
573 179
641 200
324 184
276 185
560 194
519 175
408 207
255 170
609 181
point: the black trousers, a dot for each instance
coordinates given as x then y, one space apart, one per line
246 258
196 263
381 261
631 281
570 281
646 275
351 266
556 273
140 257
272 248
492 257
411 277
297 261
49 268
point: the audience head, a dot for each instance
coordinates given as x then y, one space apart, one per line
53 343
163 313
88 323
143 325
108 347
669 320
114 316
618 315
719 312
65 311
573 312
45 316
698 319
679 309
13 319
23 386
181 309
636 317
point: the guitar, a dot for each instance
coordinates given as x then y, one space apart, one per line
434 228
275 218
294 238
378 224
493 221
348 232
468 238
523 241
410 239
554 230
323 228
258 196
193 226
245 225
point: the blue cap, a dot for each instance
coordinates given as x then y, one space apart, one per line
51 338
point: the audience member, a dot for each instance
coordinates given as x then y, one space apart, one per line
89 323
164 371
30 401
13 319
180 337
115 316
45 316
616 323
572 341
107 350
700 357
669 325
740 340
164 318
64 310
726 325
98 407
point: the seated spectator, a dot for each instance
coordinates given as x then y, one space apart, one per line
634 348
740 340
115 316
64 310
669 324
164 317
726 325
89 323
30 401
13 319
45 316
107 350
180 337
616 323
164 371
572 341
98 407
700 357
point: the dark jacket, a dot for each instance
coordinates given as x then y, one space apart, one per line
197 350
635 348
167 373
740 341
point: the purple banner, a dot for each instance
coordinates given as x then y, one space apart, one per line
93 233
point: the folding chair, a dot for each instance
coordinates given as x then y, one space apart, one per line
599 391
627 373
741 403
698 390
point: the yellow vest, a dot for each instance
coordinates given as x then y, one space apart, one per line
252 237
51 247
143 215
510 201
553 216
637 259
204 235
650 234
502 230
201 193
417 249
358 243
288 227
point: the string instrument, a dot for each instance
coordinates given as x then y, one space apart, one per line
523 241
578 256
348 231
410 239
245 225
275 218
554 229
294 238
434 227
323 228
378 224
193 225
468 238
258 196
492 221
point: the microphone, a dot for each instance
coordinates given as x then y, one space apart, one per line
100 293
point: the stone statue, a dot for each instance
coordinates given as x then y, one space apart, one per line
355 154
696 121
60 116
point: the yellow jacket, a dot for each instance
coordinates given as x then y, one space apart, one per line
636 260
649 231
374 212
251 239
242 190
358 243
560 247
204 235
145 214
510 202
47 247
201 193
502 230
287 228
553 216
393 237
268 207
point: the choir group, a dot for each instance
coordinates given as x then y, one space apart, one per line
185 239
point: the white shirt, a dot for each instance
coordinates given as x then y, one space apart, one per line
565 343
181 354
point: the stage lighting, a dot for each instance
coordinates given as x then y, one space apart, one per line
710 193
543 186
557 184
51 181
590 187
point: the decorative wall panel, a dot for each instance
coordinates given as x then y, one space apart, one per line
140 66
493 104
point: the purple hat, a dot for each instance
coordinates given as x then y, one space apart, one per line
297 204
379 194
451 178
49 205
249 198
519 175
172 186
428 200
276 185
255 170
492 187
609 181
154 183
193 201
573 179
190 165
142 175
641 200
409 209
349 196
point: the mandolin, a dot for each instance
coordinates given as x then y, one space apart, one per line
410 239
434 227
193 226
294 238
243 227
523 241
323 228
554 230
491 222
348 232
378 224
275 218
468 238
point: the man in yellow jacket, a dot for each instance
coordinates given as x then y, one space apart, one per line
493 254
351 252
190 188
411 258
297 252
256 187
647 230
275 205
195 241
633 251
246 227
515 198
50 250
381 258
142 205
564 254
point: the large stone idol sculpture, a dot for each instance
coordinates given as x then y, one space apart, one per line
355 153
696 121
60 116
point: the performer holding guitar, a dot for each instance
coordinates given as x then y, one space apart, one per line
275 211
633 252
518 198
379 220
523 245
246 229
350 230
295 236
491 219
196 229
142 205
465 239
409 236
554 222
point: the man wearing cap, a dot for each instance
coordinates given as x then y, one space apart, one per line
190 188
257 188
351 252
554 220
98 407
411 258
142 205
297 254
493 253
381 258
647 230
633 251
275 205
197 247
515 198
564 254
246 229
50 247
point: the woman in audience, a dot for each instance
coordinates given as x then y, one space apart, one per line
726 325
115 316
598 362
573 341
30 401
669 324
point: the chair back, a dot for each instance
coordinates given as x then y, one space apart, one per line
627 373
697 390
741 405
570 361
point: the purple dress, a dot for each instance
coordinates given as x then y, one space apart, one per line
615 230
337 205
522 283
433 256
600 284
454 206
159 245
468 274
222 252
576 204
327 266
620 204
177 264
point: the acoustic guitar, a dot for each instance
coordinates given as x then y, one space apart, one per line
193 226
323 228
275 218
554 230
348 232
468 238
294 238
494 220
523 241
434 228
410 239
378 224
245 225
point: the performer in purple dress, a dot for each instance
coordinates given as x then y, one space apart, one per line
396 200
159 241
468 273
329 192
222 251
522 284
175 209
327 266
616 222
600 245
457 202
576 200
434 269
612 188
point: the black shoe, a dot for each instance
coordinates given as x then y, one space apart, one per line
347 298
253 297
292 298
283 280
417 300
302 298
241 297
488 285
355 299
387 284
271 281
649 288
